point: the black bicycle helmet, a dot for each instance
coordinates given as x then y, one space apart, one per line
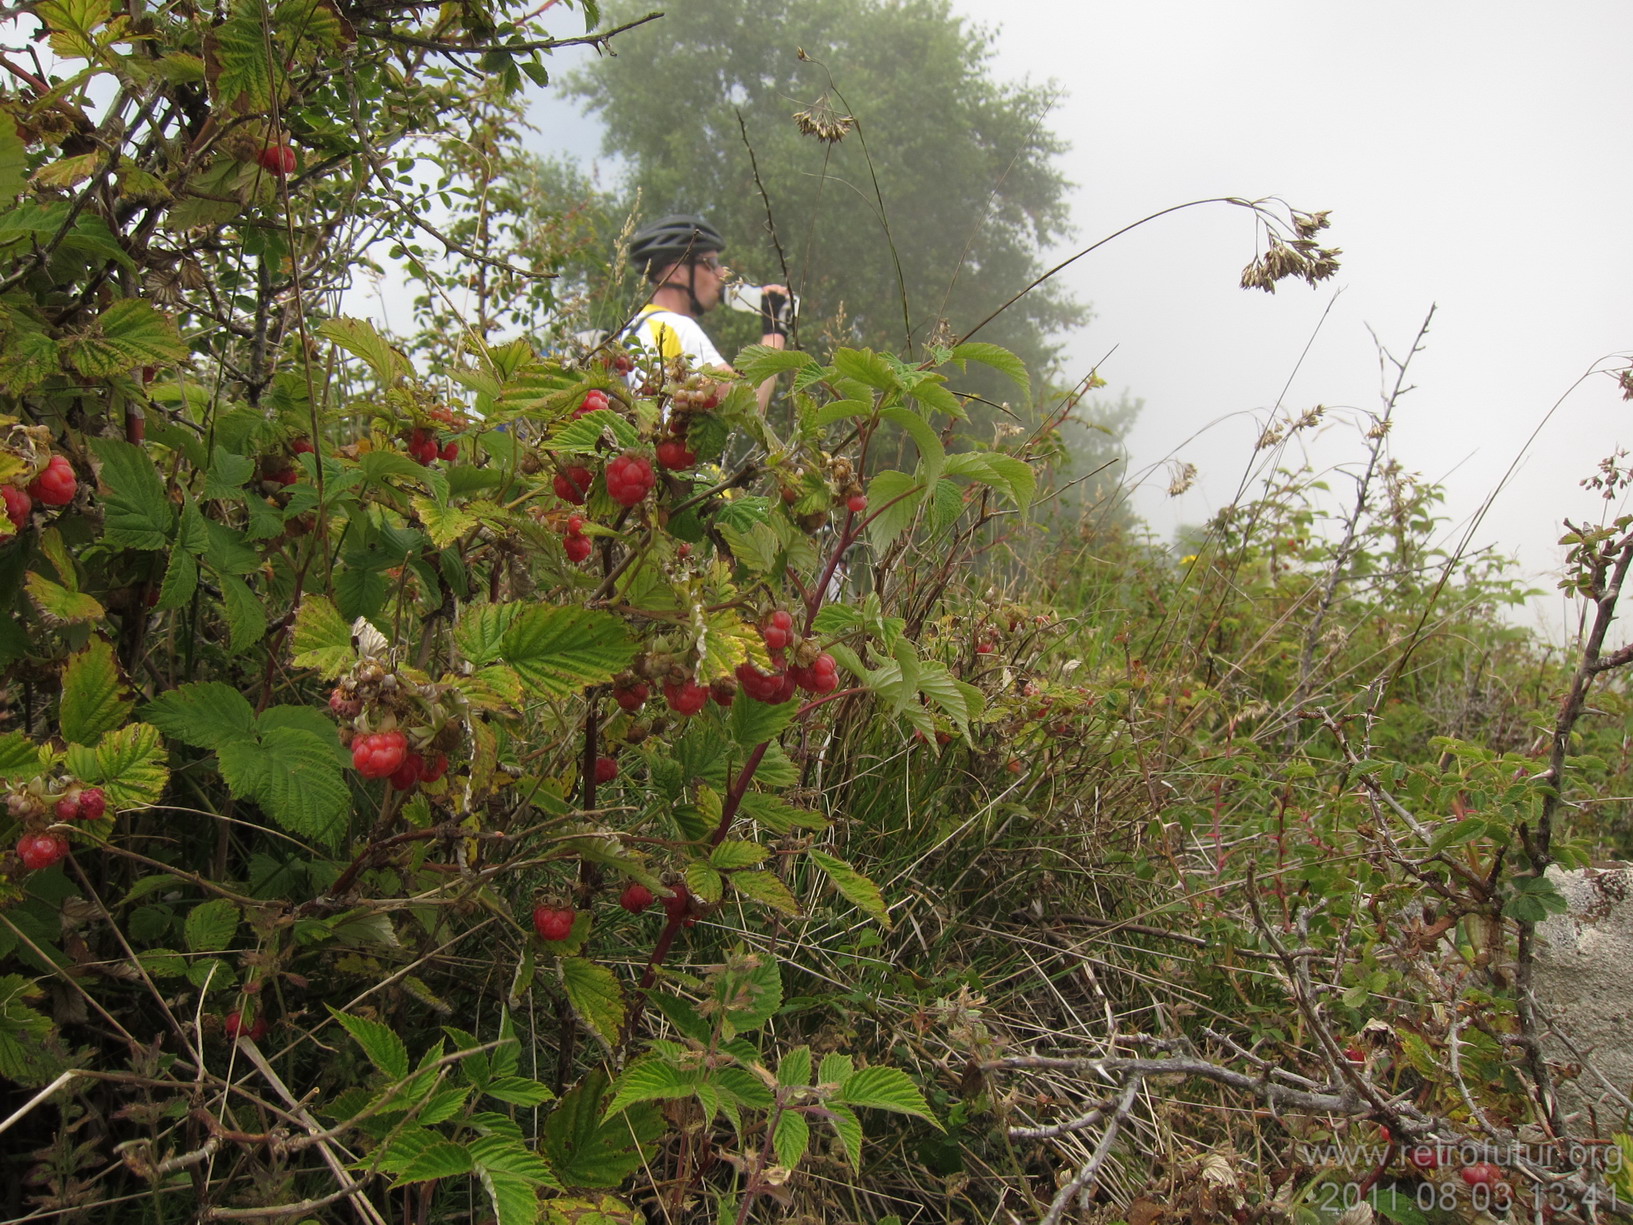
672 240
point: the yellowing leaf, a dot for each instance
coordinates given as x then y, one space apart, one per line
93 697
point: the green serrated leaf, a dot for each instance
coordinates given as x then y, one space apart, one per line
858 889
439 1159
93 697
180 580
791 1139
138 515
559 651
60 605
18 757
885 1089
205 714
128 764
732 855
323 638
704 882
795 1068
766 889
893 503
587 1150
385 1050
595 996
130 334
246 615
293 775
210 926
648 1080
998 358
444 524
849 1130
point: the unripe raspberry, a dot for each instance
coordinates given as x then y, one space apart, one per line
56 484
379 754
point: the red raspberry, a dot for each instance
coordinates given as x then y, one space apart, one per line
18 506
406 775
1482 1173
423 447
635 898
623 363
67 808
279 159
433 768
41 850
773 688
674 453
856 503
56 484
631 697
1424 1157
821 677
450 451
235 1028
379 754
553 922
92 804
723 692
686 698
629 478
573 483
594 401
606 769
303 446
575 525
577 547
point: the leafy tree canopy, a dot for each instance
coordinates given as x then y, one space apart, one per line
942 193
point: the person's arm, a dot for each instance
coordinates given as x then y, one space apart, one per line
775 301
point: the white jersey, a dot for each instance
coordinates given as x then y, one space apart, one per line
671 334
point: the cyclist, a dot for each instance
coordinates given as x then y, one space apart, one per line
680 256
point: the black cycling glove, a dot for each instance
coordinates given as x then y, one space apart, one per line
773 312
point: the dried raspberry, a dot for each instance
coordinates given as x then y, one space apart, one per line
433 768
631 697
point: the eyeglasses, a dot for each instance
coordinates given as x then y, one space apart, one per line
710 261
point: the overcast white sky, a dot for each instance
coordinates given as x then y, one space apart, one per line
1474 157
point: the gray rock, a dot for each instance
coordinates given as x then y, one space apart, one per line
1583 976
